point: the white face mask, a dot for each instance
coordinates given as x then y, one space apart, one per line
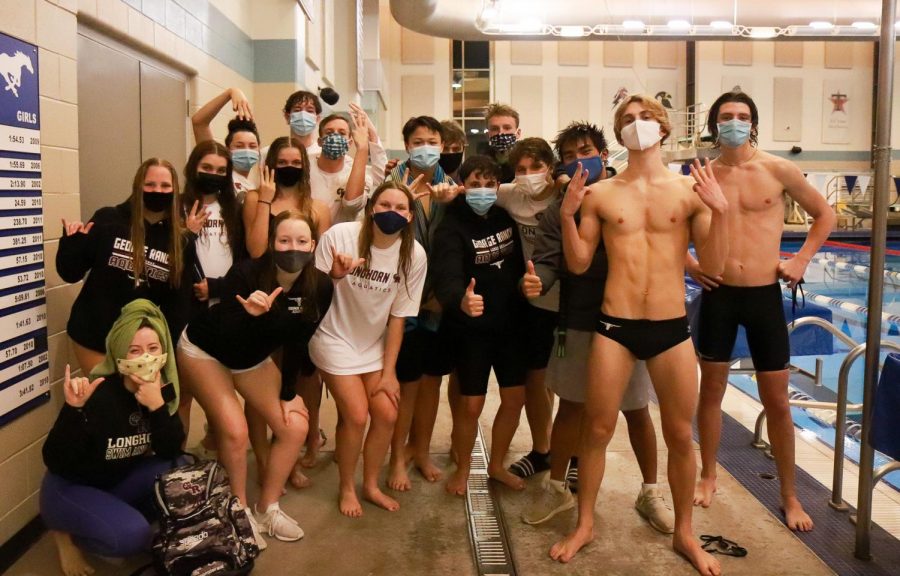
146 366
532 184
641 134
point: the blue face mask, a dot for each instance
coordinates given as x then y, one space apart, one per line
302 122
594 166
334 146
734 133
244 159
480 200
424 157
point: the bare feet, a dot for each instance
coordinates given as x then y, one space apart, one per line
704 491
504 476
298 479
704 563
565 549
428 468
71 560
349 503
379 498
398 478
797 518
457 483
312 451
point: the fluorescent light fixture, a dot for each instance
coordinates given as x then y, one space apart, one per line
571 31
679 25
633 25
456 85
821 25
721 24
762 32
865 25
529 26
473 130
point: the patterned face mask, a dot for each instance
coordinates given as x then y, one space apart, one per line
146 366
502 142
334 146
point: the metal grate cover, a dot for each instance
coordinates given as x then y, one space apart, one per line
487 532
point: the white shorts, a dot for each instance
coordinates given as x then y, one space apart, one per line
567 376
191 350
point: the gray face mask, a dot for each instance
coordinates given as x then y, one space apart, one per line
292 261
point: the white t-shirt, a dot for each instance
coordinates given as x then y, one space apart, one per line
329 187
350 339
525 210
243 185
213 250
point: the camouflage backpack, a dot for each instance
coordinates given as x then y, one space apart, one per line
203 530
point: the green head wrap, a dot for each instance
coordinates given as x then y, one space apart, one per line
121 334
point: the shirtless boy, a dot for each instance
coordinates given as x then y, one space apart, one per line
646 217
753 182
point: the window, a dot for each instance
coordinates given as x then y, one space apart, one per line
471 87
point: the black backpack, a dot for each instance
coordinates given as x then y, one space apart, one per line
203 530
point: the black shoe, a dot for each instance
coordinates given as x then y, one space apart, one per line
530 464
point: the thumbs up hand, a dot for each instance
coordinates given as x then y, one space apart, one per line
472 304
531 282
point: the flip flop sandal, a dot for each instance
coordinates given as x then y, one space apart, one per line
721 545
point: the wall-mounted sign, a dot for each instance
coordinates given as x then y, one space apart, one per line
24 367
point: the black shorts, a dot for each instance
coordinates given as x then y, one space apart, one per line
644 338
423 352
759 309
538 331
475 353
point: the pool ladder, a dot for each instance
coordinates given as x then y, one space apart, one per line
840 406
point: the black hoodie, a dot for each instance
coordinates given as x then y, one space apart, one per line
486 248
240 341
100 443
106 252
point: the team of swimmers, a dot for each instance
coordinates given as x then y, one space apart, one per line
275 270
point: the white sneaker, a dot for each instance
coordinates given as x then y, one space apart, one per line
257 535
278 524
553 498
652 507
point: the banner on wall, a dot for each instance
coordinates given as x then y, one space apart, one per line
836 108
24 365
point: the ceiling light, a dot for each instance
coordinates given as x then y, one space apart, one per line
456 85
865 25
473 130
571 31
721 24
821 25
633 25
529 26
762 32
679 25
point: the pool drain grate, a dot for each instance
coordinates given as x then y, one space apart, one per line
487 532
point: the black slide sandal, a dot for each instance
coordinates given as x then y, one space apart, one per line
721 545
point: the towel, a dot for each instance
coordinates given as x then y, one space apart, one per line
122 332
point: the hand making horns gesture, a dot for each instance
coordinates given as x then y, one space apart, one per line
343 264
70 228
77 390
259 302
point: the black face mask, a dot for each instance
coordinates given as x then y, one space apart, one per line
450 161
158 201
291 261
207 183
288 176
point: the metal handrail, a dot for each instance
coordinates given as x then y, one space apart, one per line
806 321
840 406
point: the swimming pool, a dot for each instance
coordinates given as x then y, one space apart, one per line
838 278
